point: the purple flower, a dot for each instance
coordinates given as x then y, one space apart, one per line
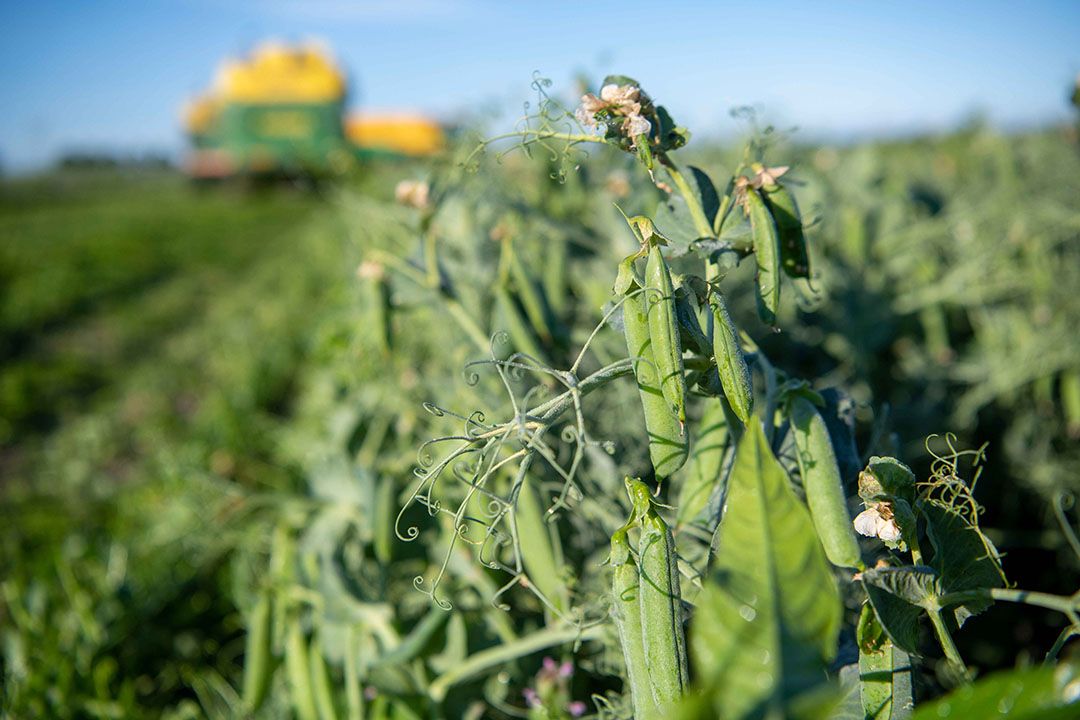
576 708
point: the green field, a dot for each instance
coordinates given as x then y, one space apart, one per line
203 406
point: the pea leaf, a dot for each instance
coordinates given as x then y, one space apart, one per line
673 216
964 558
1042 693
768 617
898 596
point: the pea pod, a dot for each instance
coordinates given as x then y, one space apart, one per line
258 659
376 299
710 444
767 251
555 265
626 612
320 683
664 331
297 670
730 363
1070 400
884 672
532 299
691 335
383 542
663 635
823 485
794 257
668 441
539 550
509 318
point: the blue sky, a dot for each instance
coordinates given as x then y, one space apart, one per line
113 74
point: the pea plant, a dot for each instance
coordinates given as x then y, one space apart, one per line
692 549
733 583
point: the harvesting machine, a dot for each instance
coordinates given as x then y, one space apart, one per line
282 111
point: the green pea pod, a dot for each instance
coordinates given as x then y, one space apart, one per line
555 265
539 551
706 463
354 701
258 658
320 683
664 637
794 257
297 670
384 520
532 299
767 251
509 319
664 331
1070 399
375 296
730 363
626 612
690 333
823 485
668 440
884 672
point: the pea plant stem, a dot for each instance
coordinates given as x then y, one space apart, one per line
1065 604
948 646
500 654
729 197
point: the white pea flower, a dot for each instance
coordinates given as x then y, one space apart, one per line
585 116
592 104
767 176
878 521
370 270
412 193
623 99
636 125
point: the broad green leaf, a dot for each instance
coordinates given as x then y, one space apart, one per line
673 219
1042 693
706 191
898 596
767 620
673 215
964 558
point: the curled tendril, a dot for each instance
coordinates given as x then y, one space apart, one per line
569 434
418 583
1063 502
488 450
946 485
433 409
476 423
